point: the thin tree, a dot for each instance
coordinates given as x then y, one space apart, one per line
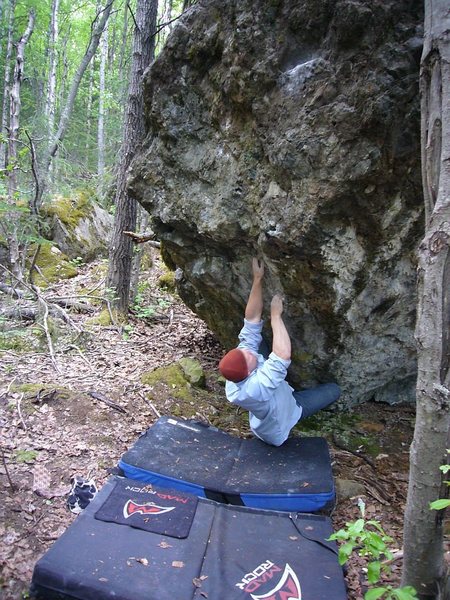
6 83
12 161
97 30
121 249
101 113
424 566
50 103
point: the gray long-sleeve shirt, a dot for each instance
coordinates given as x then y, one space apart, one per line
265 393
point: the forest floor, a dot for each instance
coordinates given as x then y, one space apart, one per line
53 428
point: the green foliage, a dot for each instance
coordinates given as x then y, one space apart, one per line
442 503
143 311
18 340
26 456
371 542
77 262
127 330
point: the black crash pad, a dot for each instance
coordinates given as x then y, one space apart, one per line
208 462
230 553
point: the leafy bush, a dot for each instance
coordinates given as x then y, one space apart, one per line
370 540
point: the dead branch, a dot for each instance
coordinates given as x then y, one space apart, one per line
8 389
73 346
339 444
107 401
376 490
66 302
395 556
19 312
10 291
150 404
33 266
47 334
141 238
19 402
13 487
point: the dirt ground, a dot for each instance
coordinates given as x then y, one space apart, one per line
80 414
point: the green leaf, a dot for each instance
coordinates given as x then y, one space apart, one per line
344 552
373 571
439 504
339 535
356 527
375 593
405 593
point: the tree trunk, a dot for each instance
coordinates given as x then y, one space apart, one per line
101 114
121 249
66 113
89 115
11 167
6 82
50 103
124 38
423 537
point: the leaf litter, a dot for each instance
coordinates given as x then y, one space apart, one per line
80 421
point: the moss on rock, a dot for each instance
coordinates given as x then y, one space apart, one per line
193 371
69 211
167 282
173 379
19 340
53 265
103 319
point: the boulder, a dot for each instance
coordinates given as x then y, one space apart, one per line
290 130
79 226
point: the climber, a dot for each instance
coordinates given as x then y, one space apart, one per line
256 382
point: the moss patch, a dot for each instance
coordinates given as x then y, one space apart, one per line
19 340
69 211
167 282
25 456
103 319
173 381
339 428
53 264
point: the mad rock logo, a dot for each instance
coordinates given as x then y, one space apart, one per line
270 582
149 508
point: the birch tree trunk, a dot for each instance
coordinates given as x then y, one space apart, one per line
6 83
66 113
101 113
50 103
121 248
423 536
12 166
124 38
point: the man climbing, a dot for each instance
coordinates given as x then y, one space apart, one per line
257 383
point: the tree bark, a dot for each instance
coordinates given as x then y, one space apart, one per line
101 114
13 136
50 104
121 249
6 83
423 565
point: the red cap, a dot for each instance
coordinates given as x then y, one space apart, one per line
233 366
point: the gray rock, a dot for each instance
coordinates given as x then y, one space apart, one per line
83 233
291 130
347 488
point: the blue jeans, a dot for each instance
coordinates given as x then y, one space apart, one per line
314 399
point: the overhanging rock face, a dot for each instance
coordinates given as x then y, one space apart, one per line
290 130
